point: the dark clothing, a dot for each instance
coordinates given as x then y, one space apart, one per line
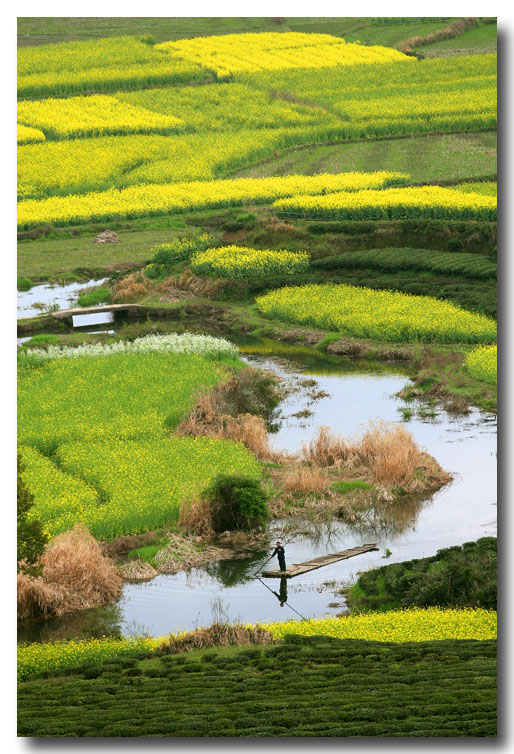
282 594
280 552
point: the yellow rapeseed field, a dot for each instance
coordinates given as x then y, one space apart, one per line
241 262
393 203
415 624
482 363
93 116
379 315
237 53
140 201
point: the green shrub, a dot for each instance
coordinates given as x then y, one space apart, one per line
24 284
101 295
237 502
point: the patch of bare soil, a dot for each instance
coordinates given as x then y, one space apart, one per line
233 236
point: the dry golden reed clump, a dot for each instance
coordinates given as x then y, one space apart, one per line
132 288
217 635
388 452
302 480
75 575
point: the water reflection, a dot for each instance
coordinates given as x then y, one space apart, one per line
33 302
232 572
94 623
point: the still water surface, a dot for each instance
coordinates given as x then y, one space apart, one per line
462 511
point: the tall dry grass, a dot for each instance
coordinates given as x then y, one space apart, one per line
305 480
387 451
327 448
75 575
391 454
216 635
132 288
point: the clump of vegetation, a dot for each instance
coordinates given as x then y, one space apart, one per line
237 502
24 284
101 295
132 288
31 538
178 250
75 575
43 339
460 576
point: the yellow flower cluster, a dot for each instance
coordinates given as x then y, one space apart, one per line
393 203
107 63
380 315
415 624
236 53
141 201
93 116
482 363
240 262
36 658
59 497
28 135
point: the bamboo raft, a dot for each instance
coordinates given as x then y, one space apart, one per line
310 565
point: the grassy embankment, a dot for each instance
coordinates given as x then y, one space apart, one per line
460 576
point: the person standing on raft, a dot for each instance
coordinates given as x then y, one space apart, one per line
280 553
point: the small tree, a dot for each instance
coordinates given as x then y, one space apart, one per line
31 538
237 502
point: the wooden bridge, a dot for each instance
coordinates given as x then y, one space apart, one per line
310 565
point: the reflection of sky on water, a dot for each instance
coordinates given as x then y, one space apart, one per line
63 295
462 511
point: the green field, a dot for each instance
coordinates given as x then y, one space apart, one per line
448 157
302 687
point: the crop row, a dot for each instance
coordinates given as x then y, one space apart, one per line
482 363
28 135
93 164
361 688
397 627
241 263
380 315
95 115
153 199
110 63
391 204
392 260
235 53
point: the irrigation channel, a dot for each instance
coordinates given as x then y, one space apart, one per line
347 394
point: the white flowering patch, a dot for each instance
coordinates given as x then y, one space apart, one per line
202 345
